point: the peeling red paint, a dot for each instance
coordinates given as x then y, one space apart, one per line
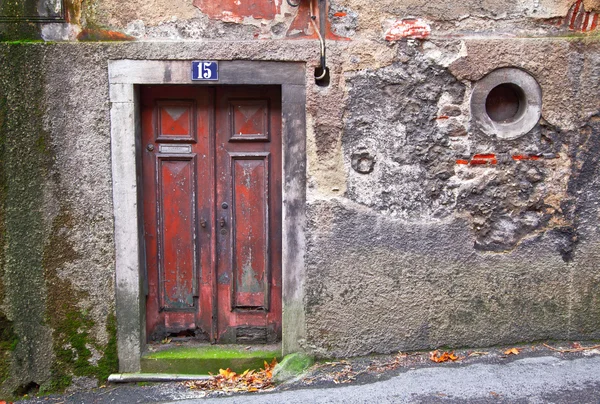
237 10
408 28
519 157
490 158
577 19
484 156
340 14
482 162
594 22
575 12
443 117
302 28
479 159
90 34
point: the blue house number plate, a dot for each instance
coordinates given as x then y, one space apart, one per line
205 70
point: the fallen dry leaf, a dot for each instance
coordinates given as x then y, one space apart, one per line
436 357
228 380
580 349
477 353
513 351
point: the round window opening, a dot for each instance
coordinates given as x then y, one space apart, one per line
505 103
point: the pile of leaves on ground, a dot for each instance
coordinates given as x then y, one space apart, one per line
229 381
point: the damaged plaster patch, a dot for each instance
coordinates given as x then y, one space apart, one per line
60 32
118 14
391 113
578 18
344 20
412 28
430 164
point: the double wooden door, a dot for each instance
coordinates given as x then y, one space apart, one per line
211 178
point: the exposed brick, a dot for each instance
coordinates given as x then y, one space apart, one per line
485 156
91 34
577 19
413 28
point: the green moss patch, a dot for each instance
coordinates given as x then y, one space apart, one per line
71 325
206 359
211 352
23 170
291 366
8 342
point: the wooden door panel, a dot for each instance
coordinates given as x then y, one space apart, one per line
175 121
178 193
250 231
248 171
177 231
249 119
211 184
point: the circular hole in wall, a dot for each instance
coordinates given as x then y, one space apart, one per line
322 80
505 103
363 162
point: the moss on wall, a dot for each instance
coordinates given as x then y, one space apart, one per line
23 171
5 324
22 29
56 339
77 353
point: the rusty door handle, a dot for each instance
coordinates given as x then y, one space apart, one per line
222 222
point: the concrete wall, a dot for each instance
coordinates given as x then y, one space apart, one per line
421 230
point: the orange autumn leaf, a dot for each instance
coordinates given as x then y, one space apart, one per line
227 373
436 357
512 351
228 380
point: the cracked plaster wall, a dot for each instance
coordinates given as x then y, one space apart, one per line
411 244
432 248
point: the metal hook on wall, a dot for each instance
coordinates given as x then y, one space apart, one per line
320 32
322 72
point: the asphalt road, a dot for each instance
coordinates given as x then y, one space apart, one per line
533 377
544 379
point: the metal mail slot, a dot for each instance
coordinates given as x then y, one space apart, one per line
163 148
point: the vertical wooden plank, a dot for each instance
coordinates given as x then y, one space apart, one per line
248 178
176 227
250 231
178 196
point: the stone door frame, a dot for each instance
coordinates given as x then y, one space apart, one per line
125 77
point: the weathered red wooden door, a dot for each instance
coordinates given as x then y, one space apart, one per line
211 177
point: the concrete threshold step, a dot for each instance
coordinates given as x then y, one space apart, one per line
202 359
153 377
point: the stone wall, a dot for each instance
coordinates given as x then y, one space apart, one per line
422 230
